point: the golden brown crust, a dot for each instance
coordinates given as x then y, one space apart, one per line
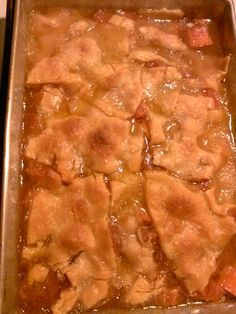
73 144
119 94
191 235
181 153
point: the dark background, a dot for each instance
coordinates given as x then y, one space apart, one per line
2 37
6 26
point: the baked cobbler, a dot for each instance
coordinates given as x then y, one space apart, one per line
129 193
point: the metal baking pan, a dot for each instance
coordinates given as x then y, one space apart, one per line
224 11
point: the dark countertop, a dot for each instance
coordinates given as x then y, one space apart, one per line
3 4
2 36
6 24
